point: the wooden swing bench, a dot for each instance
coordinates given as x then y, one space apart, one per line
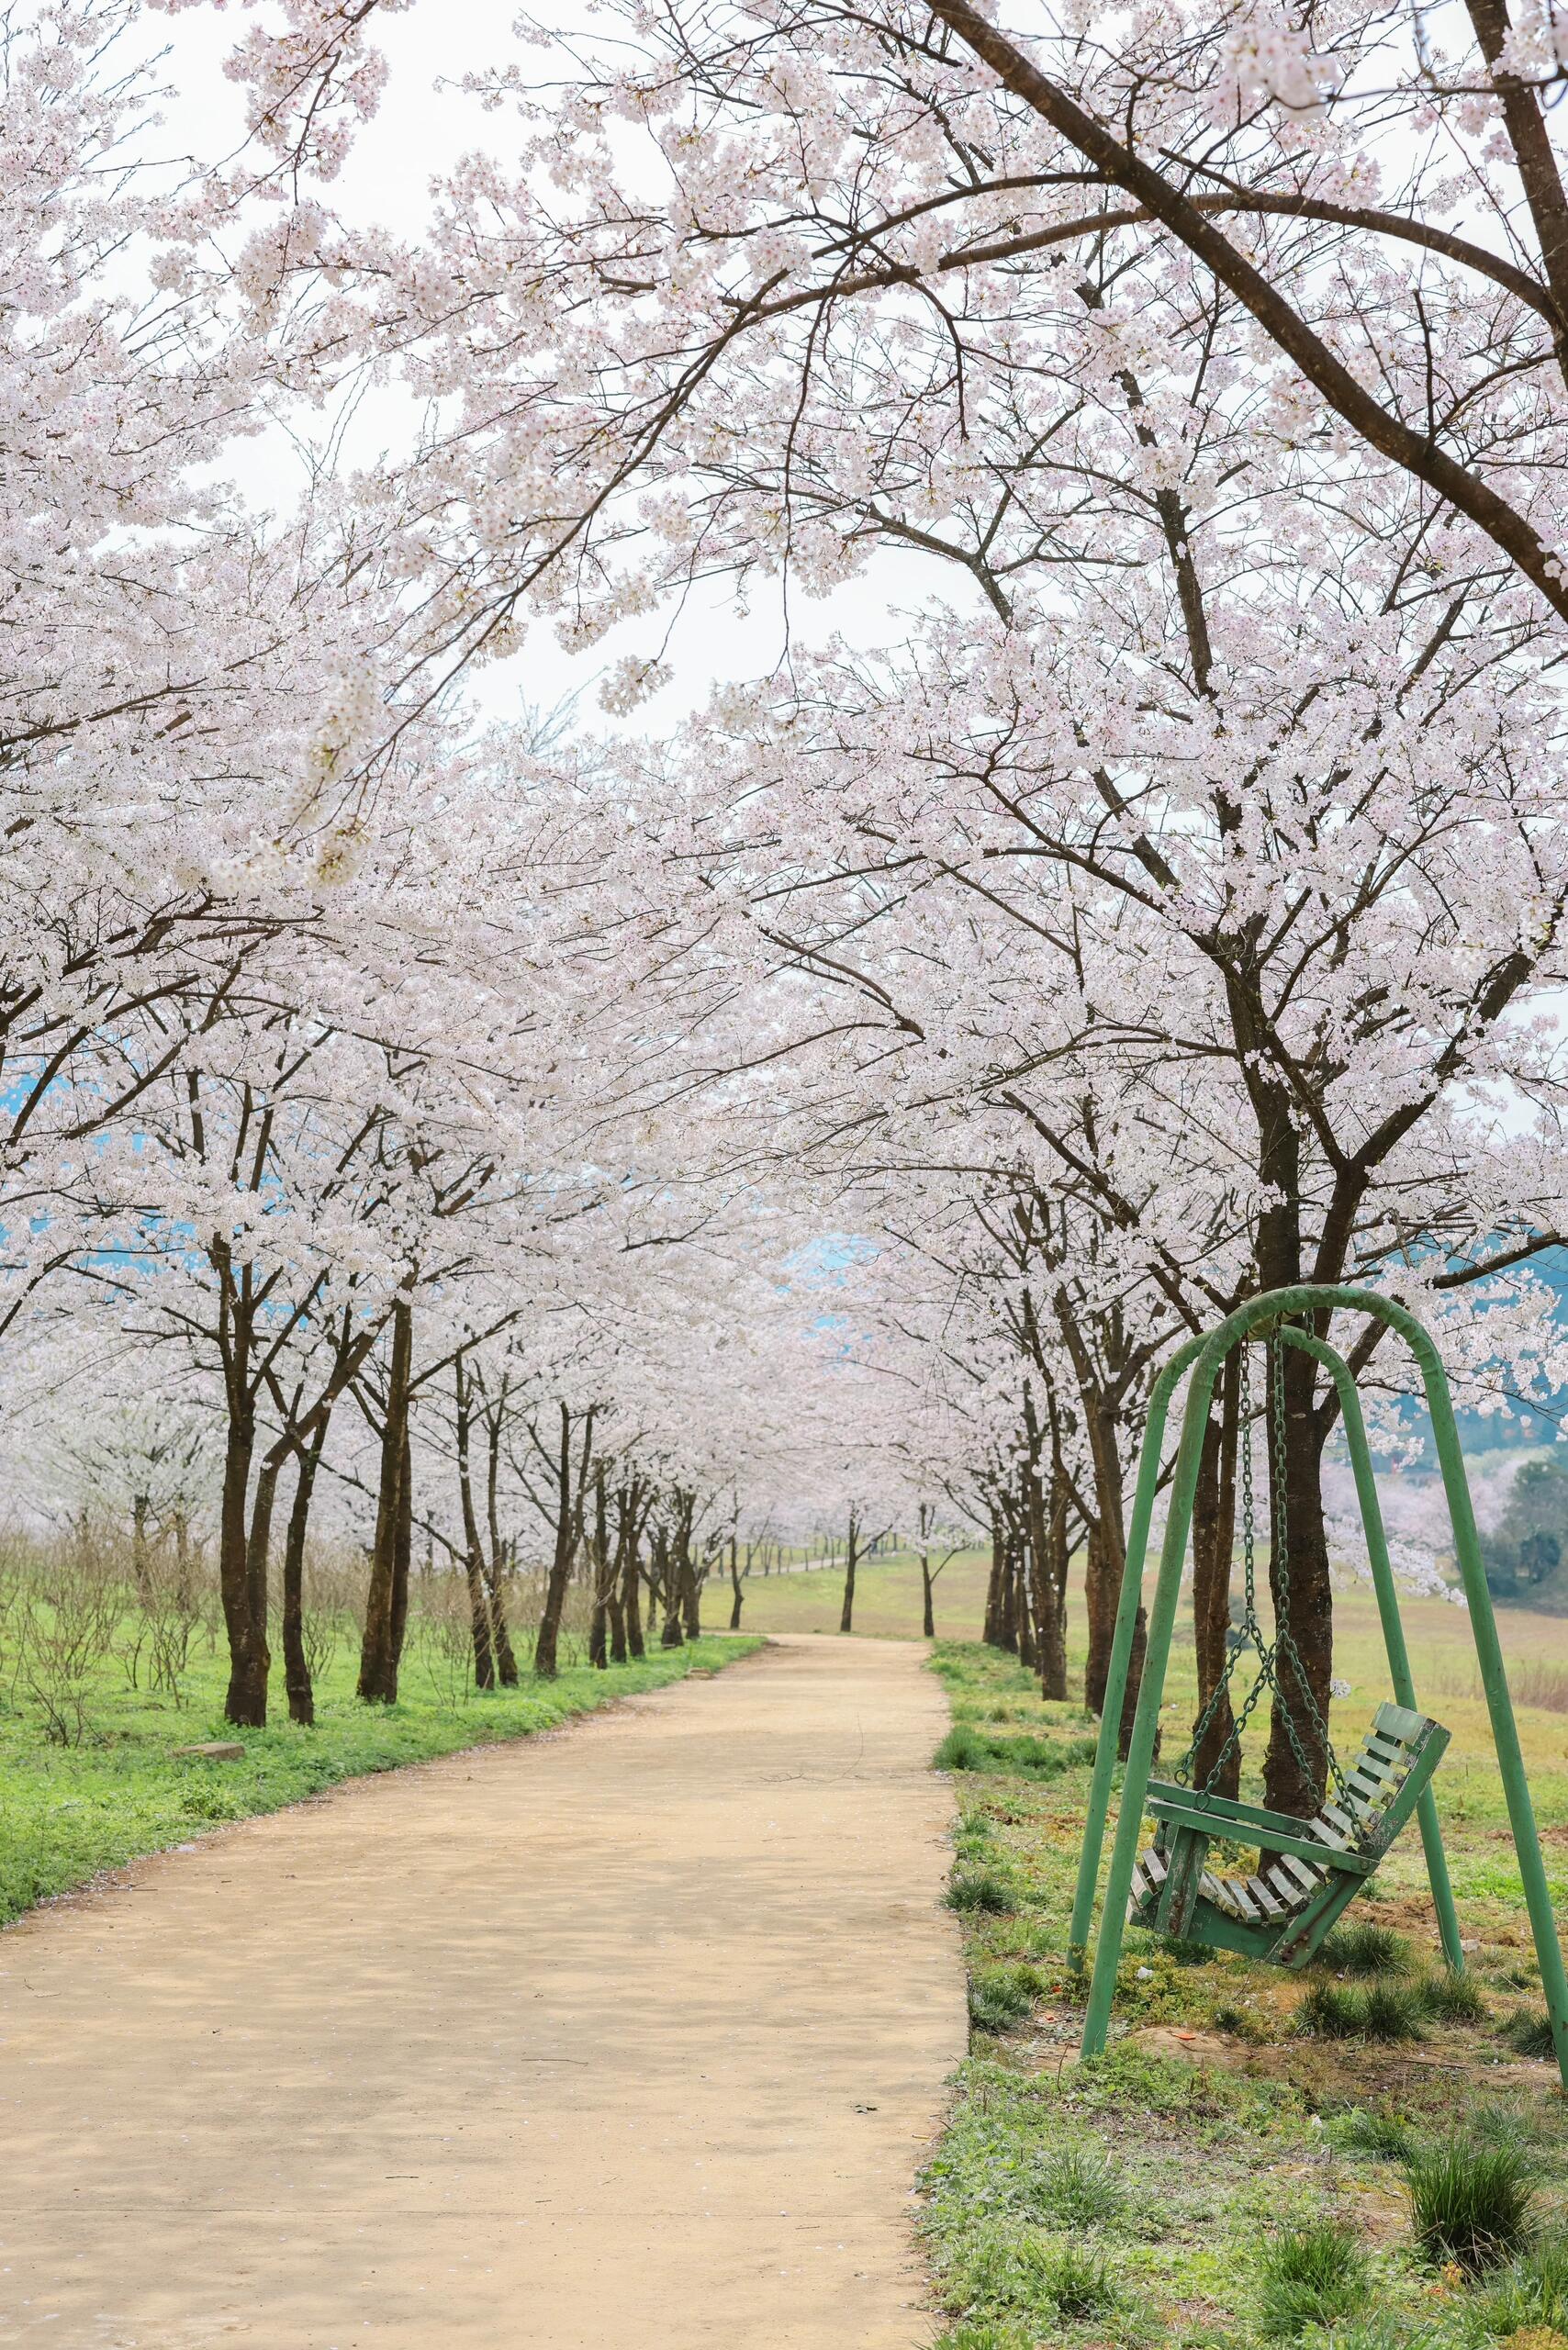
1311 1869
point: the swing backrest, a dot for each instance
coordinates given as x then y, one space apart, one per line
1315 1866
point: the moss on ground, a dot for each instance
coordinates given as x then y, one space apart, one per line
1179 2190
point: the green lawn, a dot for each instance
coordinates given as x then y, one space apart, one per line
67 1812
1161 2193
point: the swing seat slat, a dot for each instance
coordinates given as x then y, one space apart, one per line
1313 1867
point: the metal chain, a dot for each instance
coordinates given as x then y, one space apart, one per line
1282 1648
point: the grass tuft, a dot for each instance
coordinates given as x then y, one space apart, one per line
1078 2188
1387 2136
1471 2200
1317 2275
1527 2298
982 1891
1383 2011
1453 1998
1528 2032
1365 1948
1002 1998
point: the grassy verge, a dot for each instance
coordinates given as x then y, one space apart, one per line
66 1813
1354 2158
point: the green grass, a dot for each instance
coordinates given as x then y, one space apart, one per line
1185 2179
1317 2273
68 1813
1472 2202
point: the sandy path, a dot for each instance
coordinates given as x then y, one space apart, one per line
632 2036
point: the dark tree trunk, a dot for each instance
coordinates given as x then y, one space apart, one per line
735 1582
847 1612
671 1636
1028 1650
691 1578
605 1565
1303 1601
1135 1683
140 1510
472 1548
631 1582
1213 1546
495 1559
1007 1611
403 1550
995 1590
548 1646
246 1702
927 1598
295 1666
382 1643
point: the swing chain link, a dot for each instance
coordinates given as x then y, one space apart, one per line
1282 1648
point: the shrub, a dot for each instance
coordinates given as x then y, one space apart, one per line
963 1749
1003 1997
1530 2297
1077 2189
1528 2032
1453 1998
1387 2011
1073 2281
1387 2135
1391 2011
985 1890
1365 1948
1313 2274
1471 2201
1330 2012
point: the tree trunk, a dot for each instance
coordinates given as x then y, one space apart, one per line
548 1645
1028 1650
671 1636
1213 1547
1050 1530
604 1578
927 1598
140 1509
735 1582
246 1702
847 1612
472 1548
382 1641
1007 1610
296 1667
1303 1604
995 1590
495 1561
630 1591
687 1573
1135 1683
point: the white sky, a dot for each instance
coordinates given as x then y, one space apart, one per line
419 132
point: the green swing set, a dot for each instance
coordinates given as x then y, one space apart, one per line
1311 1869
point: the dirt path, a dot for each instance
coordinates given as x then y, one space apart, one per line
628 2039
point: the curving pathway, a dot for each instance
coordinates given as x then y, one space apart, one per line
630 2038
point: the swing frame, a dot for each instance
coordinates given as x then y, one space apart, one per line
1204 1358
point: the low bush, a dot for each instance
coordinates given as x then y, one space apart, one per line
1450 1997
1003 1996
1528 2032
1530 2297
1078 2188
1316 2275
1473 2199
1388 2011
983 1890
1365 1948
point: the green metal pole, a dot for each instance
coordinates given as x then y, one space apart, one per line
1383 1585
1146 1721
1121 1651
1494 1682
